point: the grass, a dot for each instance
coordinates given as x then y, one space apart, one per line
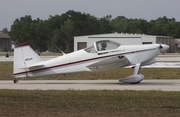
6 73
42 54
4 53
22 103
6 70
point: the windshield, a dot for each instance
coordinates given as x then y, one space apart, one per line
90 49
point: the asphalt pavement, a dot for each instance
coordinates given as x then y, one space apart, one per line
162 85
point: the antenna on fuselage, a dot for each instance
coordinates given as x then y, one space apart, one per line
59 49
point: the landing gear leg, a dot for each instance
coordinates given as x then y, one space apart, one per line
137 68
136 72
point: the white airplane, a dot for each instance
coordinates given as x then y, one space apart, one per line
103 55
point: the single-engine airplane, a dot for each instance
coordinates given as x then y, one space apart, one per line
103 55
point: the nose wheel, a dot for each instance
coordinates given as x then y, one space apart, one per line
15 81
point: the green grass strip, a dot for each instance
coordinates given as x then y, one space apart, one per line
21 103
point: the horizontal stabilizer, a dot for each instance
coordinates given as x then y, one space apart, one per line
35 65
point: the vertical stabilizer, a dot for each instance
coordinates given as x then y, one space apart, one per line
24 56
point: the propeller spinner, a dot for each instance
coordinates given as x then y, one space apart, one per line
163 47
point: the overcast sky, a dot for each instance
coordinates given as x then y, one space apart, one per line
145 9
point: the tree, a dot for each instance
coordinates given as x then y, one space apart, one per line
21 30
27 30
137 26
68 35
173 29
5 30
58 31
105 24
57 42
157 27
119 24
72 24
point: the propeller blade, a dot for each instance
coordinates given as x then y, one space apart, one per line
160 46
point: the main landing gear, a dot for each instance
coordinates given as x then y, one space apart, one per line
135 78
16 81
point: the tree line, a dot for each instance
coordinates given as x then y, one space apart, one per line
57 31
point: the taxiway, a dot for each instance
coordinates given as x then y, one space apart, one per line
163 85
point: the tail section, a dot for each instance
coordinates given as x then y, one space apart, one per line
24 56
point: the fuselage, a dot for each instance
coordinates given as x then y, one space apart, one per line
83 61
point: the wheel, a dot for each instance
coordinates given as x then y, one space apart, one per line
15 81
136 82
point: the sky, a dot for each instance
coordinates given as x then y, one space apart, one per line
144 9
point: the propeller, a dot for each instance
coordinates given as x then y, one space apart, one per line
160 46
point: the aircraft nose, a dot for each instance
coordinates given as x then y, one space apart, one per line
163 48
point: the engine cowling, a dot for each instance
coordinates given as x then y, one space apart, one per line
152 61
133 79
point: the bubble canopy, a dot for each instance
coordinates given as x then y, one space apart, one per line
102 45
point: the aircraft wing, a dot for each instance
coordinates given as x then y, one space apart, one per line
109 63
